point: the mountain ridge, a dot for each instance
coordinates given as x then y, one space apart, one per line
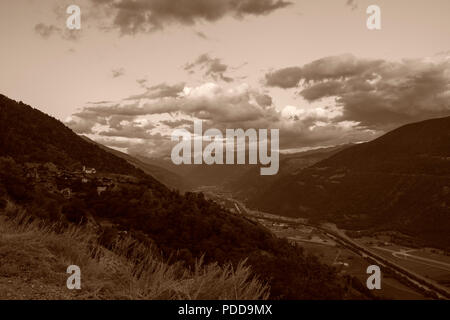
399 181
29 135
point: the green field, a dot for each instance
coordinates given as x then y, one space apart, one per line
435 271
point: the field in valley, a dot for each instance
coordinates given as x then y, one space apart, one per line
435 264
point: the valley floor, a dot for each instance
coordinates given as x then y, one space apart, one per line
426 262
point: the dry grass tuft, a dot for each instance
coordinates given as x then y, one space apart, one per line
35 258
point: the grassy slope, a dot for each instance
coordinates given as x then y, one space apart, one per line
35 258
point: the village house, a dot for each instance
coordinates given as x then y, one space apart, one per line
89 170
101 189
33 173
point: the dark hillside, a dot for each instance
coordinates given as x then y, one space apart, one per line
400 181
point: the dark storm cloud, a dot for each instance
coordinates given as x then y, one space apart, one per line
212 67
133 16
376 93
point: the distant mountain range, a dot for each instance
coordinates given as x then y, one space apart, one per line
243 180
400 181
251 183
167 177
197 175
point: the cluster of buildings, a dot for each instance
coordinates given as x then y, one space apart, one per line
60 181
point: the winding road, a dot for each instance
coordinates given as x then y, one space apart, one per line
411 277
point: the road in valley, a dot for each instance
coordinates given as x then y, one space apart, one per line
414 279
404 254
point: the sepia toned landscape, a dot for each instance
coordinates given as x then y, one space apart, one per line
323 150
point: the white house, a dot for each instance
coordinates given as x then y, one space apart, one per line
100 190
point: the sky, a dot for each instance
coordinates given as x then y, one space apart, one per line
138 69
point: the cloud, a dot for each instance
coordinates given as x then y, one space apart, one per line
376 93
128 129
134 16
117 72
142 82
208 101
284 78
46 31
212 67
177 123
263 100
143 123
161 90
340 99
334 67
201 35
352 4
